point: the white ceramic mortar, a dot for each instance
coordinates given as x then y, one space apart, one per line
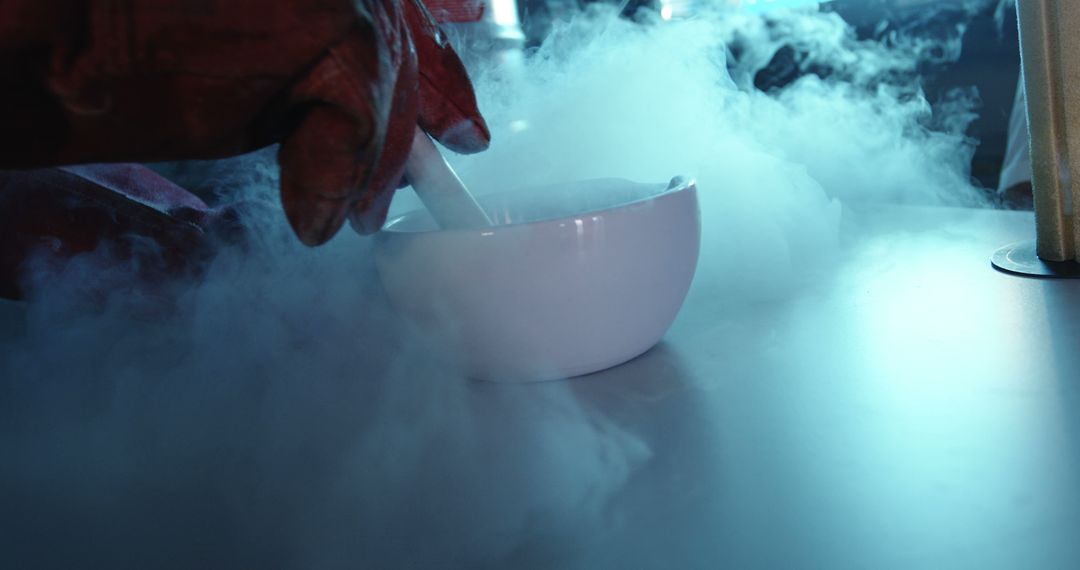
571 279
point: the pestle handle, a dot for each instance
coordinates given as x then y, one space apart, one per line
440 189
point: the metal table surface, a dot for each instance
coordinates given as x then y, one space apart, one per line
922 410
913 409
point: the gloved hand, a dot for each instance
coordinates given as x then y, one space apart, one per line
53 214
340 83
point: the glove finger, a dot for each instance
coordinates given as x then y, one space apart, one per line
369 212
324 165
448 109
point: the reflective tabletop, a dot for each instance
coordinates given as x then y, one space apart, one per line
911 408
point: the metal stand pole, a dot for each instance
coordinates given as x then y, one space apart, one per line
1050 51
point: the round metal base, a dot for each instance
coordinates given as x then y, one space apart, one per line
1021 259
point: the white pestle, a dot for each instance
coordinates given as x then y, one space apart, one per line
440 189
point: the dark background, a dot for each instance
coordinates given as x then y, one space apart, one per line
989 60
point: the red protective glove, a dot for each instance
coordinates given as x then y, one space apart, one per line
53 214
457 11
340 83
